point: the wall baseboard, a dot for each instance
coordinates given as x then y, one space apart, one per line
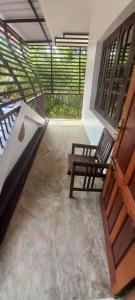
16 179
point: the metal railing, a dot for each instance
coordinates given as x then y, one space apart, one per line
42 75
38 104
60 69
18 79
7 120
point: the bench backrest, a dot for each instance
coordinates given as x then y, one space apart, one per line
104 148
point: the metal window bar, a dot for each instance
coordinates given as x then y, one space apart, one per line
34 69
117 62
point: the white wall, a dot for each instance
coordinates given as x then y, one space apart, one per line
105 16
92 125
14 147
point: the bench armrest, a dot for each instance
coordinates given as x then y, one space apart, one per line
93 168
89 164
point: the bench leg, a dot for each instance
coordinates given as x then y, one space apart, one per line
71 185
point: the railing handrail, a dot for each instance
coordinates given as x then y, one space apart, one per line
34 98
15 101
5 116
8 103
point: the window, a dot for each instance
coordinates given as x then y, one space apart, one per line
117 63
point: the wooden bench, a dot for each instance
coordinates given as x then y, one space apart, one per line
91 163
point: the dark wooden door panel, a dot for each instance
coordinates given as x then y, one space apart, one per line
132 185
124 240
128 141
118 201
117 205
109 190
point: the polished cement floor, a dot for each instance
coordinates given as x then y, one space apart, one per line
54 248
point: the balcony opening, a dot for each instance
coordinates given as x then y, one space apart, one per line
55 74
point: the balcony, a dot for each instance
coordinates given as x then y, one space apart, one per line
55 90
54 246
55 236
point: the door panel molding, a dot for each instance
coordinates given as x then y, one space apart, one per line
120 220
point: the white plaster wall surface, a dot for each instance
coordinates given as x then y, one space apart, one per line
92 125
105 13
14 147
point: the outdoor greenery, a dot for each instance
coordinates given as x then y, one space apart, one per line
58 72
63 106
61 69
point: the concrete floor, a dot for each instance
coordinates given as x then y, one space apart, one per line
54 248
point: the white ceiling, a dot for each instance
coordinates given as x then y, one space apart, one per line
89 16
66 16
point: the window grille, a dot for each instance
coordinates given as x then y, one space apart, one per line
117 63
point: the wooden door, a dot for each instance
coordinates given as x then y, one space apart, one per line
118 200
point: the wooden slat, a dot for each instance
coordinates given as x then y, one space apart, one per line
120 220
123 241
130 204
117 205
125 272
108 245
112 197
106 183
130 169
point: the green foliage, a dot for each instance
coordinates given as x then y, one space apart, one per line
57 71
60 69
63 106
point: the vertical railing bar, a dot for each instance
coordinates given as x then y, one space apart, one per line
9 121
92 183
12 117
3 132
27 75
89 178
5 121
79 70
15 56
1 143
51 71
30 65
